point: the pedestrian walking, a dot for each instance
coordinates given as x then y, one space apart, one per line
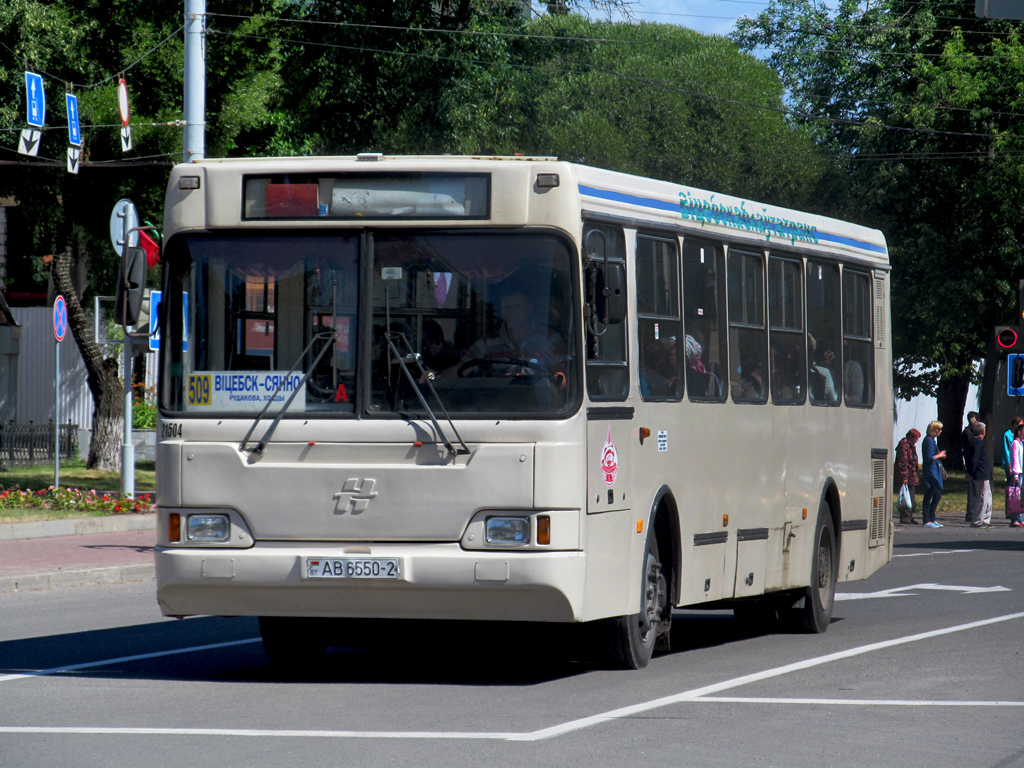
1013 475
979 468
934 475
905 473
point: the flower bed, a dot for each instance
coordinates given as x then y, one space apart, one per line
75 499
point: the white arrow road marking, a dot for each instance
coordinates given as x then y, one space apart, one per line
908 591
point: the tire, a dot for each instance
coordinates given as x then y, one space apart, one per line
631 639
819 598
295 647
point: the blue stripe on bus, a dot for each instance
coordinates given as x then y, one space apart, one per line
662 205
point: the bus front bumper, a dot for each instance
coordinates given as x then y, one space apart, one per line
436 581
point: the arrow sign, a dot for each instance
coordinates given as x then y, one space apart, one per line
909 591
35 95
126 138
74 155
74 129
29 142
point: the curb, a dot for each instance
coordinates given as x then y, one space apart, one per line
41 529
90 577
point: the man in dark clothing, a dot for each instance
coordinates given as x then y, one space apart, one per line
979 468
965 441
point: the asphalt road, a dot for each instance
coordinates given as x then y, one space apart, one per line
923 665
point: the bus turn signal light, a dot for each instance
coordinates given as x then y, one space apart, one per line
543 529
174 527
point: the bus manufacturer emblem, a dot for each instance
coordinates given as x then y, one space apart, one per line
609 459
355 496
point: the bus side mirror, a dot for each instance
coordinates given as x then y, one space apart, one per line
611 293
131 287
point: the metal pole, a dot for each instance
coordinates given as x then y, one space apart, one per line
195 80
127 450
56 419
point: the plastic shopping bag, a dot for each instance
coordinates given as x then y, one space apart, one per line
1013 502
903 501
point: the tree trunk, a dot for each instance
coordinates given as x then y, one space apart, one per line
952 397
106 388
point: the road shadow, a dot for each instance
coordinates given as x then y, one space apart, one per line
998 543
437 653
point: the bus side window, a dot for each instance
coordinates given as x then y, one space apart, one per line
704 340
824 371
858 351
748 371
786 332
658 322
607 363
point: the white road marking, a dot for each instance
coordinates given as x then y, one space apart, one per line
905 591
938 552
120 659
696 694
861 702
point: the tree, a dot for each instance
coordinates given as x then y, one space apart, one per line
924 101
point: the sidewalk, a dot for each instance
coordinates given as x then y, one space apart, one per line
76 553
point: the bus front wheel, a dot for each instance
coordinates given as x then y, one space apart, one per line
631 639
816 613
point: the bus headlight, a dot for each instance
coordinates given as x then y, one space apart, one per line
508 530
208 528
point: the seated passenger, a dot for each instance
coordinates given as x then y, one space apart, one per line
438 354
822 383
702 383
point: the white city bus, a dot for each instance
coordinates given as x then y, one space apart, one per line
512 389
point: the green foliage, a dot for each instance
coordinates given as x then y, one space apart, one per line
87 502
144 410
925 101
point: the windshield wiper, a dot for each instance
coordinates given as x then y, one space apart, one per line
262 444
389 336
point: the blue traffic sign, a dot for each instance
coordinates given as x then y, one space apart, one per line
154 327
1015 375
60 318
35 95
74 129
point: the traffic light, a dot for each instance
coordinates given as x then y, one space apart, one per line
1010 337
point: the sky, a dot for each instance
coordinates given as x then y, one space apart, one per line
712 17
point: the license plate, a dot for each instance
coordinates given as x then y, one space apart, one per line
353 568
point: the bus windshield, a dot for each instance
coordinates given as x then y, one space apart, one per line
480 323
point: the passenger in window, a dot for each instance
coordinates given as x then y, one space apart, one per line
822 384
528 346
853 378
702 383
656 377
438 354
785 373
751 384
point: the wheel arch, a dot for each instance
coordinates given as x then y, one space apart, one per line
665 519
830 496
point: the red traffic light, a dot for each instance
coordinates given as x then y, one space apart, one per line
1010 338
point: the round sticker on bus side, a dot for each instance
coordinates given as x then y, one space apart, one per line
609 460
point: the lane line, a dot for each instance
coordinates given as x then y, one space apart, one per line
756 677
937 552
701 694
860 702
122 659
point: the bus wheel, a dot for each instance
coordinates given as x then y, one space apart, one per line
632 638
819 597
294 646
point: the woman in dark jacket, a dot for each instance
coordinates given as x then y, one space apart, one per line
932 475
906 472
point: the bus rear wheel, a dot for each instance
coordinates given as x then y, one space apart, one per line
631 639
816 613
295 646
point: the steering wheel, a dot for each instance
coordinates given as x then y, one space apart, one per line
489 364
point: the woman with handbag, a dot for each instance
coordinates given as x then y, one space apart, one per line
906 473
933 475
1013 505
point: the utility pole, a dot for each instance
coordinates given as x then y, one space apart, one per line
195 80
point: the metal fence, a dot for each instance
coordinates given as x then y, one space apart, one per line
22 444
